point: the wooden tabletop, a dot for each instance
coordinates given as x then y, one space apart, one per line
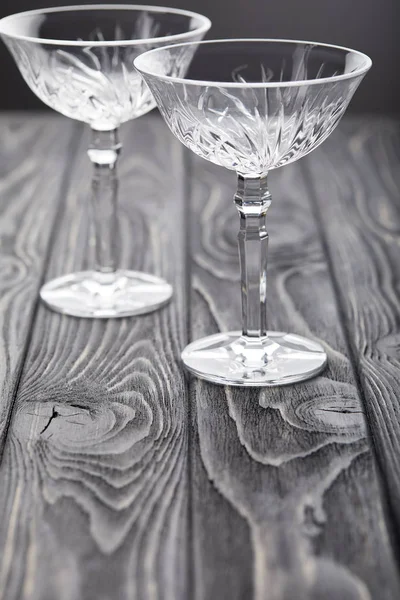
123 479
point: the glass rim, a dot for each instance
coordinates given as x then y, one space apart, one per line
258 84
204 26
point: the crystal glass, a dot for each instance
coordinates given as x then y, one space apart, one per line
79 61
253 106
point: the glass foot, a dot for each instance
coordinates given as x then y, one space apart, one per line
106 295
231 359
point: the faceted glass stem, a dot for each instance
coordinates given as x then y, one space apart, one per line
103 151
106 291
254 356
252 200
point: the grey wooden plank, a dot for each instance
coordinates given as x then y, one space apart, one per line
95 469
285 496
33 171
356 184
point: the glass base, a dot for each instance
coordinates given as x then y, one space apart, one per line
231 359
93 294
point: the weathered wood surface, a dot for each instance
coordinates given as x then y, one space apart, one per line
94 475
355 180
30 192
123 479
290 468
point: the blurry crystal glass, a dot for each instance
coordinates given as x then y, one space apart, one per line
253 106
79 61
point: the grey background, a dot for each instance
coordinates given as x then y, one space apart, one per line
371 26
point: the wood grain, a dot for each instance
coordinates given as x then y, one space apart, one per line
95 467
121 478
33 169
358 171
285 497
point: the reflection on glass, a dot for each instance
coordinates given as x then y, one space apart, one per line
252 106
79 61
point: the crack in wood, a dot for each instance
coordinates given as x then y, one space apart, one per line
53 416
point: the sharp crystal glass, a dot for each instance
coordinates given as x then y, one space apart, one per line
253 106
79 61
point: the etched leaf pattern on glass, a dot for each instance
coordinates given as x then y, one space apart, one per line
251 129
95 84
